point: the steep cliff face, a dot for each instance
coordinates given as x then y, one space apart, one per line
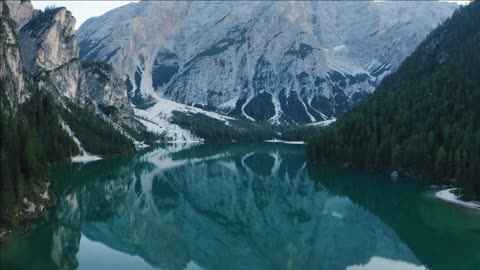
24 191
295 62
50 52
109 91
11 69
47 115
20 12
50 56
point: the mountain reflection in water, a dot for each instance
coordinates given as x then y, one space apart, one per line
213 206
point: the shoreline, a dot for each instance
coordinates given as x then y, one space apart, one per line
446 196
285 142
23 226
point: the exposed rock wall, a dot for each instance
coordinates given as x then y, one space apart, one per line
279 61
109 91
50 50
11 68
20 12
43 43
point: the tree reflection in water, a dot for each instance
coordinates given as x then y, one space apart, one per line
232 206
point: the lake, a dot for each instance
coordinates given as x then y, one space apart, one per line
242 206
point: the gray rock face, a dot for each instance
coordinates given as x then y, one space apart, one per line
20 12
11 69
14 15
50 49
294 62
44 45
109 91
50 52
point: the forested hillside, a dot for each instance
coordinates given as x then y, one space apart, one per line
37 105
423 120
31 140
213 130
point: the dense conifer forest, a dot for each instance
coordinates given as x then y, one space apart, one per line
97 136
423 120
213 130
31 140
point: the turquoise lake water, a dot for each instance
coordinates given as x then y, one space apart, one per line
242 206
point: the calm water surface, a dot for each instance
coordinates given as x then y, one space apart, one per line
242 206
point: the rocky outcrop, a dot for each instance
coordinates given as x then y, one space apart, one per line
39 55
109 91
11 68
280 61
20 12
52 31
50 52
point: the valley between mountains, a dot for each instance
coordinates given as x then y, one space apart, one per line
205 71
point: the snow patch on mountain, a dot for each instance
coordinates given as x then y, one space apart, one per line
158 119
322 123
84 156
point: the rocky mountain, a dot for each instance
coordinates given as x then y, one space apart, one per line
50 53
279 61
11 68
57 108
50 112
109 91
50 50
43 45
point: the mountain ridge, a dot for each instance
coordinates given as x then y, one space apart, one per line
267 61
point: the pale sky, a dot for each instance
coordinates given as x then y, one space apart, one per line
82 10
